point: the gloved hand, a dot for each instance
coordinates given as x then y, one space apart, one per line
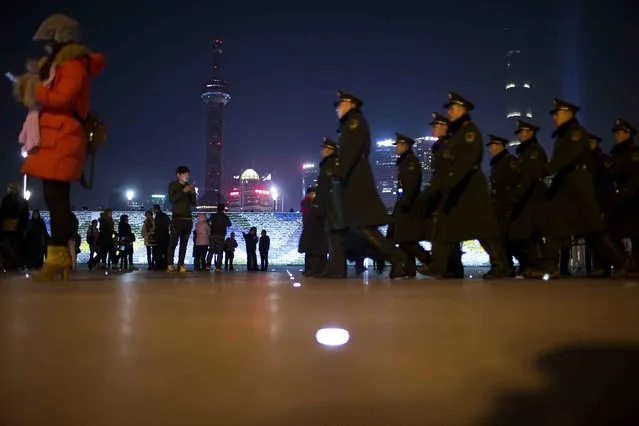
24 89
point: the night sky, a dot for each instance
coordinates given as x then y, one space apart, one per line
284 66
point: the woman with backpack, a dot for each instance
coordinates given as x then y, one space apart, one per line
54 135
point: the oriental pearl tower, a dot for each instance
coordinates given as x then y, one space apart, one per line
215 95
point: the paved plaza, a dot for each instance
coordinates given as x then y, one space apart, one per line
276 348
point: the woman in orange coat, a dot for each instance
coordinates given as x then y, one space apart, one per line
60 91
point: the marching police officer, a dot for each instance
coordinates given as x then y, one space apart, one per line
571 207
604 187
362 208
624 167
407 228
525 228
467 212
504 181
325 206
439 127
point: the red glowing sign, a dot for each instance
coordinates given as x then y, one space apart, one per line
234 193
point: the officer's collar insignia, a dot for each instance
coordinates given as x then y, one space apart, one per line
352 124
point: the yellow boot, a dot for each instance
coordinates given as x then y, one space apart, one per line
58 262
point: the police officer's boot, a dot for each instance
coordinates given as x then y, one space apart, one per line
382 245
498 262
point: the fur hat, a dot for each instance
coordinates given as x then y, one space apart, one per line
59 28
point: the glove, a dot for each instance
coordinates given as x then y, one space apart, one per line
24 89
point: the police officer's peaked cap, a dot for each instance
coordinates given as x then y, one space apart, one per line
558 104
594 138
492 139
329 143
621 124
439 119
310 189
347 97
403 138
524 125
456 98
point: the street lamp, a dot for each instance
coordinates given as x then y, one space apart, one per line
274 195
27 195
129 195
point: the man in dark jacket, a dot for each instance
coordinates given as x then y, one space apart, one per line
362 208
264 247
219 223
467 212
571 207
313 238
407 228
183 199
250 243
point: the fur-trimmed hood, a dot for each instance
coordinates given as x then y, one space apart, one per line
74 51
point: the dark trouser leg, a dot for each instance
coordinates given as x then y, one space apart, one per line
374 238
564 257
185 234
319 264
610 251
219 253
307 268
519 250
149 257
230 256
56 196
499 265
263 260
441 252
415 251
180 232
455 265
337 255
251 260
550 258
634 254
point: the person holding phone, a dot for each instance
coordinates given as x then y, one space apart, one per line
58 86
183 199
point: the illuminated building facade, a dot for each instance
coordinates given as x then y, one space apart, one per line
215 95
385 167
310 173
250 193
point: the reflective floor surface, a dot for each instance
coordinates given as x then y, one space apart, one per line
242 349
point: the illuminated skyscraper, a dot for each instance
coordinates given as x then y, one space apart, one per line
215 95
385 167
310 173
517 82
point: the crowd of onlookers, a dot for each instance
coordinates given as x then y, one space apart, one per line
25 239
